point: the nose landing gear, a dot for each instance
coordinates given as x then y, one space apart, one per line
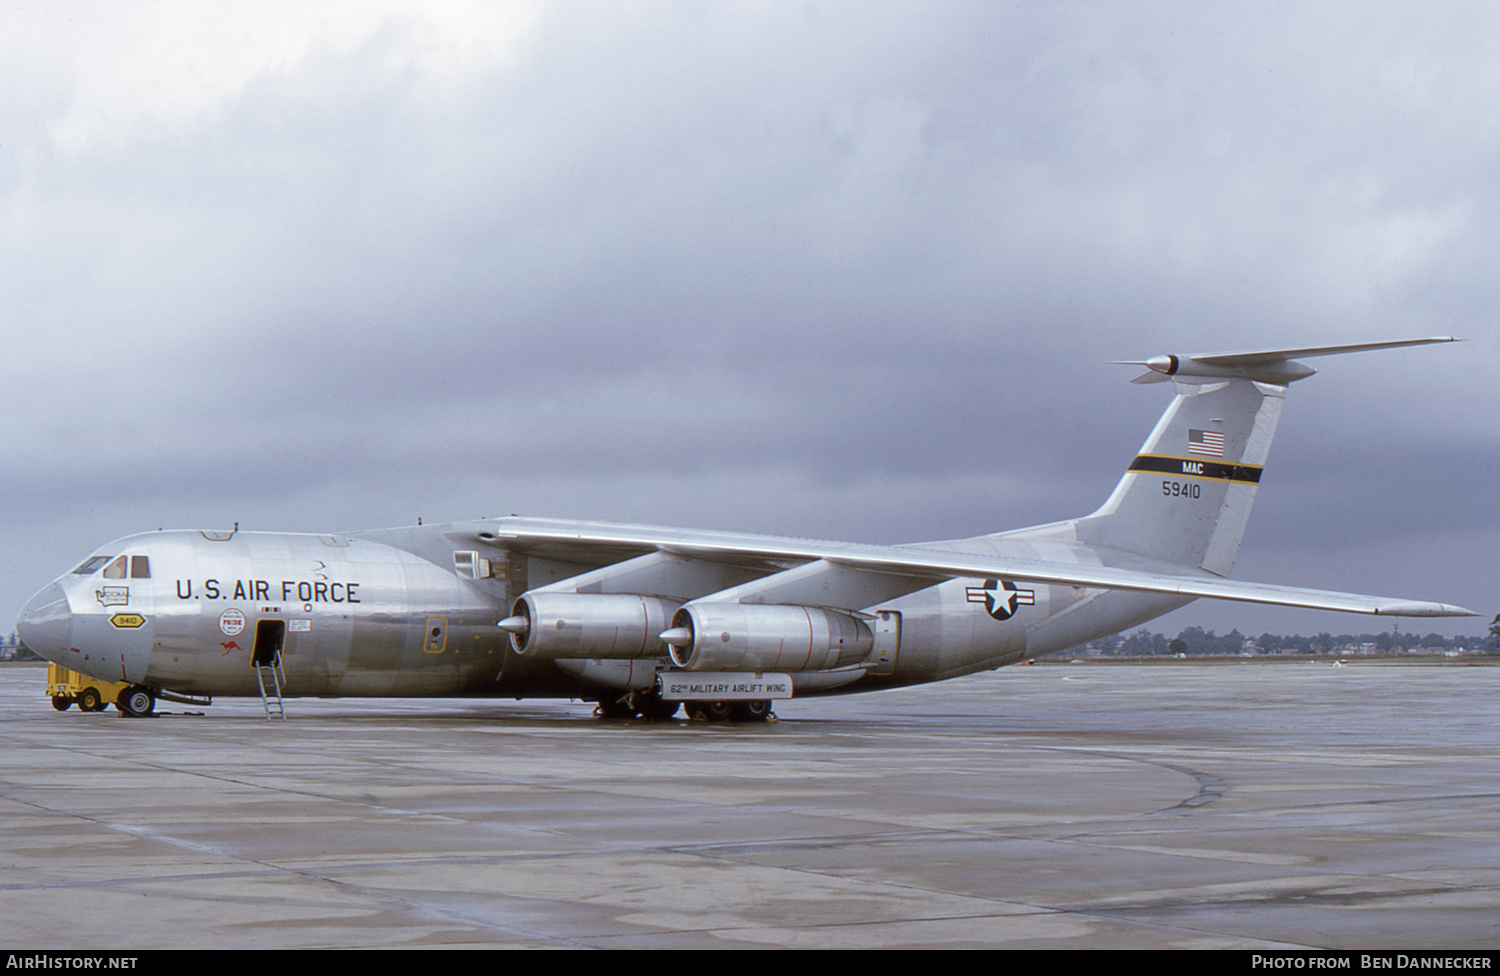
137 701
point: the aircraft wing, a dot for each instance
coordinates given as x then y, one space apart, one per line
596 539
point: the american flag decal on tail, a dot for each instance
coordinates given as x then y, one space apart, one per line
1205 443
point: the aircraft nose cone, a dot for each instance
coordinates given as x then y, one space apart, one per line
46 624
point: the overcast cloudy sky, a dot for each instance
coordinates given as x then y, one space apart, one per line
845 270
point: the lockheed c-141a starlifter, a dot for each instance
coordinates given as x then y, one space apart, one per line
641 619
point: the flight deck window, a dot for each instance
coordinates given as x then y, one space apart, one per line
91 565
140 567
117 569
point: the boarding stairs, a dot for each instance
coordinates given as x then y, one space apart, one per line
271 679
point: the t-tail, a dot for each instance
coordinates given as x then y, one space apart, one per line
1186 497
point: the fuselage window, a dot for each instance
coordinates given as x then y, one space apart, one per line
140 567
91 565
117 569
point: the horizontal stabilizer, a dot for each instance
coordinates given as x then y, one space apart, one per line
1277 366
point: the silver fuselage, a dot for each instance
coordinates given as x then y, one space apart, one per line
401 613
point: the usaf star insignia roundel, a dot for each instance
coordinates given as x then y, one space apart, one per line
1000 597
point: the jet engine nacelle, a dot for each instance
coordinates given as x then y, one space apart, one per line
548 626
761 637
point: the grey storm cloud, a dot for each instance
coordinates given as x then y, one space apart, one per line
842 270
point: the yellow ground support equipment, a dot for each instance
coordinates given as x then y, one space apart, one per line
92 695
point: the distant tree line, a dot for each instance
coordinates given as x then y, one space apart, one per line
1195 641
13 648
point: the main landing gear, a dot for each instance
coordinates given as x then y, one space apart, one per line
758 710
653 708
647 705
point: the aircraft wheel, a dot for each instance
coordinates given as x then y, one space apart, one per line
654 709
136 701
614 708
61 702
758 710
709 711
91 700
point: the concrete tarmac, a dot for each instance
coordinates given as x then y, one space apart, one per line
1079 806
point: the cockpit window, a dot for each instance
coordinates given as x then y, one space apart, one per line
135 567
91 565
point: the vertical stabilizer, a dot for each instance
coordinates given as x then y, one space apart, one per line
1186 497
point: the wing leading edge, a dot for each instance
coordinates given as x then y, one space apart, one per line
931 563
